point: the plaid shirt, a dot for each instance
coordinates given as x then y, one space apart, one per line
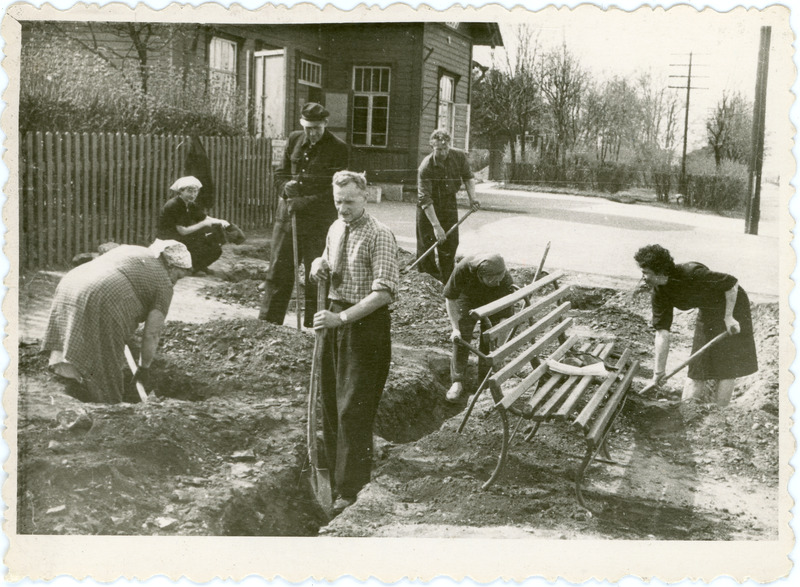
371 259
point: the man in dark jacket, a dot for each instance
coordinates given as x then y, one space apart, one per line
311 158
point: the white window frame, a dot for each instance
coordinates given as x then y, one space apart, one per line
310 73
445 114
222 69
371 95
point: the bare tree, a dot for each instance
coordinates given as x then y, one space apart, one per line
506 100
728 128
563 82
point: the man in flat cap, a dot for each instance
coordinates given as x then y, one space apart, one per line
311 158
439 177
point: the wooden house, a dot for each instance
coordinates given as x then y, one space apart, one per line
387 85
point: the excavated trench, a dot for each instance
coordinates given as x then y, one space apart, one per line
276 499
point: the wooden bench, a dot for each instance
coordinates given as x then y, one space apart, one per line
537 331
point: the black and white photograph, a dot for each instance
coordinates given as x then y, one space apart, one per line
465 281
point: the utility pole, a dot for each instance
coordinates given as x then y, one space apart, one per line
753 210
683 184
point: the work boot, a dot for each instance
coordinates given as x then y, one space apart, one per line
341 504
455 392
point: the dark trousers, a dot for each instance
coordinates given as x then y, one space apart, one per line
448 217
280 276
205 246
355 365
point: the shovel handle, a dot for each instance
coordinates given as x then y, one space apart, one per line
436 244
134 368
680 367
296 273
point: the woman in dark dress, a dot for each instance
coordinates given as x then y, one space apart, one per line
182 219
722 306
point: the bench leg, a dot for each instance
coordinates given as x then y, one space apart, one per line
579 477
501 461
532 433
604 452
516 428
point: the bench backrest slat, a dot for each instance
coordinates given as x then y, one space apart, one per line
513 366
582 421
569 403
500 331
529 333
509 300
603 420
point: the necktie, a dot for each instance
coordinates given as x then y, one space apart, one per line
341 259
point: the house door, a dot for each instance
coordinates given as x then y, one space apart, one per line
270 93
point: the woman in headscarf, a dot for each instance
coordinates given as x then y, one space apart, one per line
183 220
722 306
99 305
475 281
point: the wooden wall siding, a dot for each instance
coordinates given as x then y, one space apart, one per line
382 165
454 56
390 45
81 190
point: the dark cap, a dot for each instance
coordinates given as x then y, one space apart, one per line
313 114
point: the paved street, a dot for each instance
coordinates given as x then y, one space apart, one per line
598 237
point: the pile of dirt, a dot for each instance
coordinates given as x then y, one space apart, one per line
219 449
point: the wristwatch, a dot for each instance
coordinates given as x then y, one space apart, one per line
343 317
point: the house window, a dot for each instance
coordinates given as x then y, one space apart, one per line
447 94
310 73
371 105
222 63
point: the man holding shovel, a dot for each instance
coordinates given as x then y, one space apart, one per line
360 261
439 177
311 158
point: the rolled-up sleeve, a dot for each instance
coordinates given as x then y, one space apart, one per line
424 185
385 272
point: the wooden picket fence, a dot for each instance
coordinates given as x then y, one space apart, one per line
81 190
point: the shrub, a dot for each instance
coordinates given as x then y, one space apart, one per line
717 192
613 177
478 159
66 89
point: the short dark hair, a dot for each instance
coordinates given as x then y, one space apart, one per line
655 258
345 177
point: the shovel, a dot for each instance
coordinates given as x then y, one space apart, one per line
296 273
133 367
680 367
320 477
436 244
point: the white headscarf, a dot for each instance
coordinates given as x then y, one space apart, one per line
189 181
175 254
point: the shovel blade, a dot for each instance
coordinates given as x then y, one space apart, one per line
321 485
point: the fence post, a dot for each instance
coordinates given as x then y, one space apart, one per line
60 212
69 208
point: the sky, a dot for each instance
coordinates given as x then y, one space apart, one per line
724 47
